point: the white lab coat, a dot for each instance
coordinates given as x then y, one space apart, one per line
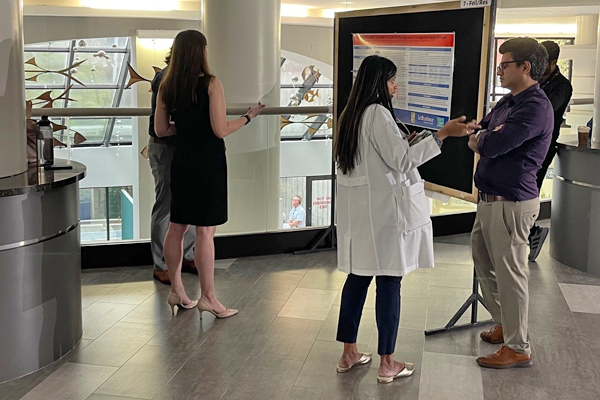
383 219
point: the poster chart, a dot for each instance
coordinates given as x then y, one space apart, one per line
425 63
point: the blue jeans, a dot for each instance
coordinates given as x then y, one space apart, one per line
387 310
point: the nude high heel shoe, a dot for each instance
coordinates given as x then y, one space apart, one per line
174 300
204 306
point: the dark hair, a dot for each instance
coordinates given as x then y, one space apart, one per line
552 48
370 87
168 57
187 64
527 49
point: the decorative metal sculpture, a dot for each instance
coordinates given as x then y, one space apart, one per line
312 125
66 72
134 77
47 100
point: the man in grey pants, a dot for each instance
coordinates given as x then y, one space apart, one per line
513 142
160 153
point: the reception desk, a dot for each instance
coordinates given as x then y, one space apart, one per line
575 233
40 268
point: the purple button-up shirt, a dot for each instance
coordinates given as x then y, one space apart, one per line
519 131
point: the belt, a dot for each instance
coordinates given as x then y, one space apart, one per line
490 197
158 140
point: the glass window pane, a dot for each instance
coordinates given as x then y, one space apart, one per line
126 99
47 61
122 131
99 70
300 125
31 94
92 129
102 98
291 73
320 206
92 207
46 45
288 188
110 42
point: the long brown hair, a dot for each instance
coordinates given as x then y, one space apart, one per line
369 88
187 64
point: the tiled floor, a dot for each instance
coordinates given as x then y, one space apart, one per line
282 344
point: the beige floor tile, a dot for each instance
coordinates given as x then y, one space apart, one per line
117 345
308 304
99 317
71 381
131 293
449 377
92 293
146 373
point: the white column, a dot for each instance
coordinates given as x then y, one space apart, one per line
596 127
587 30
13 139
244 53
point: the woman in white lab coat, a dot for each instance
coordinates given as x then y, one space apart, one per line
383 222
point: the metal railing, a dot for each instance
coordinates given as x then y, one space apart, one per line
145 111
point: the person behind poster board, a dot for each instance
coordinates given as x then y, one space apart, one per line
297 215
160 156
559 91
384 227
512 145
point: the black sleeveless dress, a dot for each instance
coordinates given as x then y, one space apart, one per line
199 168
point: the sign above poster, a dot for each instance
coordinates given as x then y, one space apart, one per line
475 3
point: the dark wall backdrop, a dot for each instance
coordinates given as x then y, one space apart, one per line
454 167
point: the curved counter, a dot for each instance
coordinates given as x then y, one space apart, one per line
575 233
40 262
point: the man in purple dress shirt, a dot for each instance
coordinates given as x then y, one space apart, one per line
512 144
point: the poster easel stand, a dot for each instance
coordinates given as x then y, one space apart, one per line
472 302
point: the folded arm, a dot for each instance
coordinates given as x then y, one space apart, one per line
519 127
162 122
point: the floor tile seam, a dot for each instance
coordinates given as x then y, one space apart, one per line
457 355
137 351
191 353
130 304
110 395
249 289
303 364
192 349
269 358
70 362
233 379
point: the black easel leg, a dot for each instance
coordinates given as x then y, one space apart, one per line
472 302
313 246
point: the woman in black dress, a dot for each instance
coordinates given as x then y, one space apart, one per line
191 104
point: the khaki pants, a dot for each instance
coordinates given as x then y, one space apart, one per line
499 243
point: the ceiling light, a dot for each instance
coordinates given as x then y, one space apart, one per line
346 2
141 5
293 10
330 12
522 29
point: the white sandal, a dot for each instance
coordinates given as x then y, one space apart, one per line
365 358
408 370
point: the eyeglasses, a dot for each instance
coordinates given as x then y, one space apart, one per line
503 65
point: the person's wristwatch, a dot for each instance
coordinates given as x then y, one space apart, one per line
248 119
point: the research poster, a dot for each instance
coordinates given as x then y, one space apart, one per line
425 65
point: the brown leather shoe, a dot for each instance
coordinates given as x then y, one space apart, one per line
189 266
161 276
505 357
493 336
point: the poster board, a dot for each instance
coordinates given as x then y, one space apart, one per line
406 29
